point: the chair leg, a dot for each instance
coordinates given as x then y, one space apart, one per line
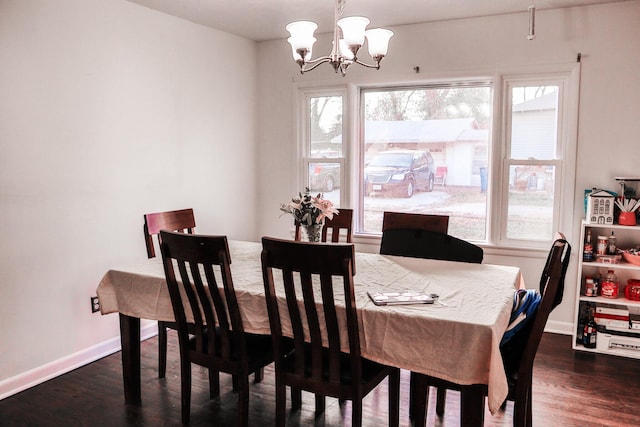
441 399
356 411
281 403
394 398
243 401
162 349
296 399
258 375
234 383
320 403
522 406
420 393
185 382
471 406
214 384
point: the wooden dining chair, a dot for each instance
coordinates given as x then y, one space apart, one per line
427 222
215 338
341 225
313 360
519 352
427 244
182 220
425 236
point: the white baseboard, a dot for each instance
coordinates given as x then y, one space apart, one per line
38 375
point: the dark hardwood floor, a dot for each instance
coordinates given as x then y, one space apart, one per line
570 389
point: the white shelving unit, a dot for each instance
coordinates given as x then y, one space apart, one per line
626 237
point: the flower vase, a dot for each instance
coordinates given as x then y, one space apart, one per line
314 232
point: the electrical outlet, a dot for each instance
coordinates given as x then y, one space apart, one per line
95 304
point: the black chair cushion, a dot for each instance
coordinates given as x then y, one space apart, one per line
259 348
428 244
370 369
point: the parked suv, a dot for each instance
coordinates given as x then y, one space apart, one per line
400 172
324 176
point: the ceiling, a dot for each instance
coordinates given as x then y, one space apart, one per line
265 19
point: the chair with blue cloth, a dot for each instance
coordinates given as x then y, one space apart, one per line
520 344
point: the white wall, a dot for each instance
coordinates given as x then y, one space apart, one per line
108 110
608 37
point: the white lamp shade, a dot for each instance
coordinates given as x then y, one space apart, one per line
353 29
344 50
301 34
378 41
296 55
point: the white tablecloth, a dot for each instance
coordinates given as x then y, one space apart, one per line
456 341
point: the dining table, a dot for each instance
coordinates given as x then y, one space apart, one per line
456 338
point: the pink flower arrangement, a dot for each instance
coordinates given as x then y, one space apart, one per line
308 209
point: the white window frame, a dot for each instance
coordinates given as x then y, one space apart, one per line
304 159
567 74
567 81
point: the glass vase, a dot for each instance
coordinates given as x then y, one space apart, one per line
313 232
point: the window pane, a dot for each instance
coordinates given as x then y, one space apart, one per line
534 118
325 126
426 151
531 196
325 178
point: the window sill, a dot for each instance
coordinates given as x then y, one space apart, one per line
370 243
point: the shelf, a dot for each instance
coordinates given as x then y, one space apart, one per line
619 266
613 226
610 301
612 352
609 344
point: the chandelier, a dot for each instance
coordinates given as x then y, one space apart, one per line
348 37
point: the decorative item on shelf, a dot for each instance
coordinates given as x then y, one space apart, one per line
310 211
609 286
632 256
600 207
590 287
628 209
587 255
348 37
632 291
589 335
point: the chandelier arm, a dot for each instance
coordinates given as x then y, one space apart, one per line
310 65
364 64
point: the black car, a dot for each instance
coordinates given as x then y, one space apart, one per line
324 176
400 172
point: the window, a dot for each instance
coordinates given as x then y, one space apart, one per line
323 152
496 158
411 135
533 160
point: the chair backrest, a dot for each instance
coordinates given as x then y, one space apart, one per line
341 221
307 273
428 244
181 220
522 348
395 220
194 292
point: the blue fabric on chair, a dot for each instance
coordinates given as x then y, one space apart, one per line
525 304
